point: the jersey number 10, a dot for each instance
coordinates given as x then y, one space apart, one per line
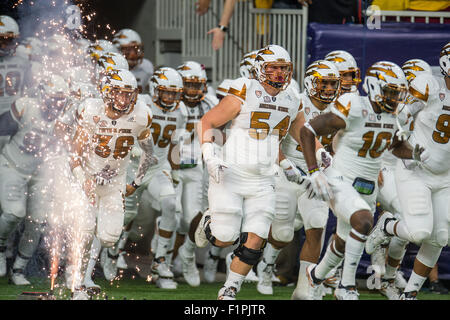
375 150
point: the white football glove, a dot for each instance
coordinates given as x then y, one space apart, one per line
420 154
324 157
319 183
214 164
105 176
291 171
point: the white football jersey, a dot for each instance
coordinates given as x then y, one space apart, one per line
432 131
165 128
13 73
358 147
253 140
111 140
143 73
190 151
33 139
291 149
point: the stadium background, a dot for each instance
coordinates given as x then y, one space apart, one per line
393 41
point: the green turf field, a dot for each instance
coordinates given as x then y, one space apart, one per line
139 289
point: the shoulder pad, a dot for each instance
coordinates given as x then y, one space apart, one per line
423 87
238 88
20 105
143 114
344 102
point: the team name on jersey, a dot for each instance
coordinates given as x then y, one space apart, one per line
113 130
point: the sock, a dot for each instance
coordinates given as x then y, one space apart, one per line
94 253
123 240
415 282
164 245
189 246
328 262
353 252
20 262
302 281
400 227
270 254
214 251
390 272
234 280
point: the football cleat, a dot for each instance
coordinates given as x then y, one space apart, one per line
400 281
378 260
80 294
190 271
109 264
164 275
200 236
91 286
227 293
412 295
346 293
378 235
389 290
264 272
210 267
2 264
18 278
121 262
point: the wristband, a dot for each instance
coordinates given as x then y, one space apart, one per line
223 28
134 185
313 169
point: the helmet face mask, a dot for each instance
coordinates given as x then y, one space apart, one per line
134 53
350 80
327 89
323 81
194 89
391 96
168 98
119 90
8 44
277 74
386 85
122 99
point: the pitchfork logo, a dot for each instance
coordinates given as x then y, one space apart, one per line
373 14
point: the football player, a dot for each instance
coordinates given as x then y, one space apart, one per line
106 130
33 120
190 176
242 186
169 121
348 70
129 43
13 68
365 128
423 187
388 198
322 86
